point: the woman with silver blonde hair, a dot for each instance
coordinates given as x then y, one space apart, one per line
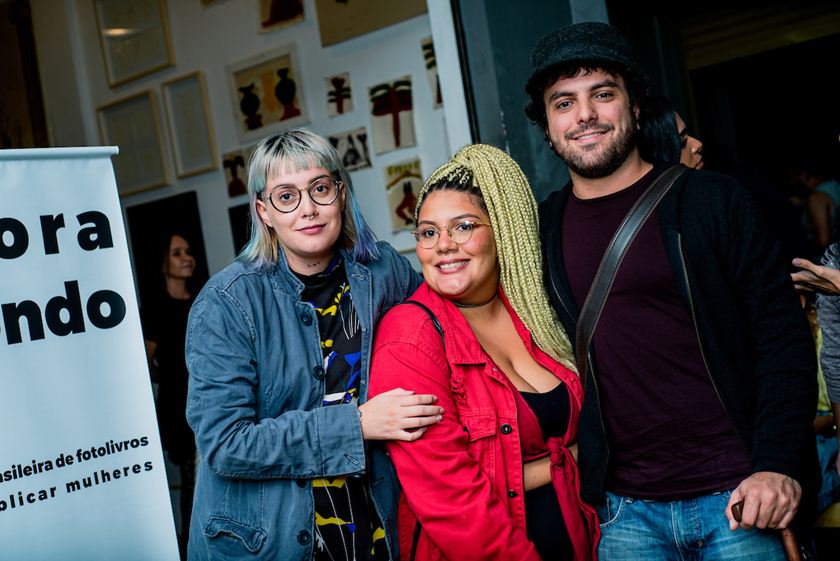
278 350
302 149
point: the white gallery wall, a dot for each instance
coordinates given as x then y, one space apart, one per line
209 38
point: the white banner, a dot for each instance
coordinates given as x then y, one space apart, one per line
81 466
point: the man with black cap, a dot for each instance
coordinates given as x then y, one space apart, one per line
699 378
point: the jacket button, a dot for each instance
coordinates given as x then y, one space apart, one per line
318 372
512 494
306 318
507 429
303 537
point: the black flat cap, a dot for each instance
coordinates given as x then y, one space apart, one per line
590 42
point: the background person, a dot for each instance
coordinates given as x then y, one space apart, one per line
278 350
496 478
164 319
811 170
825 280
663 135
824 425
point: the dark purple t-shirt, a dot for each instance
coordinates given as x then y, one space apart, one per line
669 435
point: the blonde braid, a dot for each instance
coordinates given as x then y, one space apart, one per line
514 218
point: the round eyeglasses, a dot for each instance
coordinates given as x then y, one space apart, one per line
428 235
323 191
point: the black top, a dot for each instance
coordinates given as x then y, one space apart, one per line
551 409
543 518
346 525
669 435
164 321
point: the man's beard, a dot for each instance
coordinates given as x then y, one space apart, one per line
610 159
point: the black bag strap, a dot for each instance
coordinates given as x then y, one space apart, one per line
432 317
415 540
613 256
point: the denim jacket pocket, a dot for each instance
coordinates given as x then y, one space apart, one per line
219 527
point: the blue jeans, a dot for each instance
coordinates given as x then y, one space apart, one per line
830 490
686 530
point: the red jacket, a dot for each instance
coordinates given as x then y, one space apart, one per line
463 479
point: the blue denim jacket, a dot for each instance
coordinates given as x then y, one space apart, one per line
255 392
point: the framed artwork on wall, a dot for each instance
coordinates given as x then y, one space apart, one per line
392 115
428 49
267 94
236 171
403 182
352 148
133 124
342 20
339 95
190 126
134 37
275 14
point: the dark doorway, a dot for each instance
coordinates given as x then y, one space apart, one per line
754 80
22 119
150 227
763 108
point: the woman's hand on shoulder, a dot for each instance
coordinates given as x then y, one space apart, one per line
398 414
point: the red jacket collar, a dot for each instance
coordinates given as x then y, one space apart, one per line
462 347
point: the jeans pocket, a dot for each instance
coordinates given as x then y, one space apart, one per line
719 499
610 510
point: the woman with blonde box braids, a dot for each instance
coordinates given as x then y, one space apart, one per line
496 478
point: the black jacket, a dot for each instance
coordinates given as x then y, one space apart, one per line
754 336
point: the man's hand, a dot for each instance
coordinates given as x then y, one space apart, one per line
770 501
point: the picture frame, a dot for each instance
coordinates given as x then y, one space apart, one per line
235 164
134 38
339 94
277 14
133 124
353 148
392 114
428 48
190 124
340 21
267 94
403 182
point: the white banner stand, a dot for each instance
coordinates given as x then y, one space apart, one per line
81 466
